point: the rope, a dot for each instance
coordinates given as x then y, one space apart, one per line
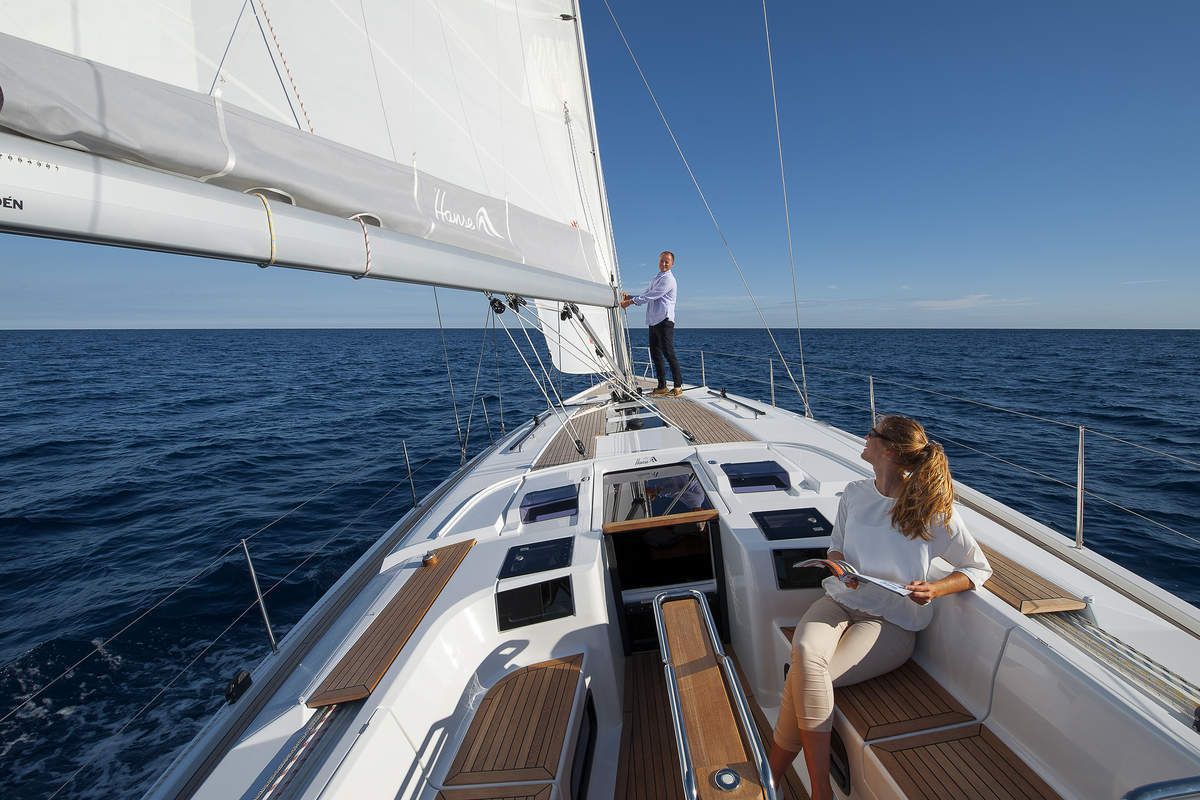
563 420
228 44
286 67
449 377
270 228
787 216
704 199
367 246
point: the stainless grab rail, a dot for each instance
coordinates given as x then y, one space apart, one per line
749 730
1165 790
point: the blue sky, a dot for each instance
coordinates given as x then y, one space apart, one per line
949 165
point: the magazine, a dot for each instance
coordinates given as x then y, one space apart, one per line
844 571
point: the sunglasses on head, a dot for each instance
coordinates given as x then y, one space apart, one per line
874 432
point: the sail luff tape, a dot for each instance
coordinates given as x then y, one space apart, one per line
230 157
270 228
366 244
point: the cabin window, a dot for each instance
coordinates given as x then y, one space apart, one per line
790 577
792 523
756 476
544 504
527 559
657 492
839 763
541 602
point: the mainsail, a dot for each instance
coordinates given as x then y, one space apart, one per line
447 143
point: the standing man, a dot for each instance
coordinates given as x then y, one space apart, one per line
659 300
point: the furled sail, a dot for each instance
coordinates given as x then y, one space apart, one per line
425 130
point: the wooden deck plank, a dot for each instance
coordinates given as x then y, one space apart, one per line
704 424
649 766
520 729
588 423
524 792
792 788
968 761
904 701
714 738
1025 590
359 671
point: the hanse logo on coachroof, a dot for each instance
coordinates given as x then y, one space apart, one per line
480 222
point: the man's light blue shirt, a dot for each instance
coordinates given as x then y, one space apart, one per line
659 298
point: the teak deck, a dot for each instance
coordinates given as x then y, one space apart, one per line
962 762
537 791
519 730
905 700
1026 591
704 424
363 666
714 738
649 765
792 788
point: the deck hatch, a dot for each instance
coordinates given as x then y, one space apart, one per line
540 602
792 523
544 504
527 559
756 476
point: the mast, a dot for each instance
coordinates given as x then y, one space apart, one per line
616 321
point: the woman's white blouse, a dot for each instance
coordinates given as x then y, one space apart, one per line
863 533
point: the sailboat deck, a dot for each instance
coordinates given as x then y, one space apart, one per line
705 426
649 766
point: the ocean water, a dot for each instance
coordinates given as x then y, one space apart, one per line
132 462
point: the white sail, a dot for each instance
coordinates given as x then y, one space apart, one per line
459 123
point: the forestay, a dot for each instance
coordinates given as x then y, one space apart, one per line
457 123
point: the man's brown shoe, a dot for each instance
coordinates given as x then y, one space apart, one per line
676 392
661 391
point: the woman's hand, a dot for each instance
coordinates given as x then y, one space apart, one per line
921 592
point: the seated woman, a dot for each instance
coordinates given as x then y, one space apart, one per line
890 527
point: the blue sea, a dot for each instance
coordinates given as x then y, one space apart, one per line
132 463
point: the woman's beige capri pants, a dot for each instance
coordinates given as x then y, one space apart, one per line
834 646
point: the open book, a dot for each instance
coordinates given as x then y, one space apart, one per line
844 571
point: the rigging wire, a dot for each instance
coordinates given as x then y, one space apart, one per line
563 420
703 198
100 647
787 216
162 690
449 378
475 391
499 389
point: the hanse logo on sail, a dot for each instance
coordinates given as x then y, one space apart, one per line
480 222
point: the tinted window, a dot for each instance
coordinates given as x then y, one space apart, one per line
792 523
540 602
526 559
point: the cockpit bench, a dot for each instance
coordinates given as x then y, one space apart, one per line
519 731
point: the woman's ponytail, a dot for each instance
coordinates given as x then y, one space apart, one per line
927 494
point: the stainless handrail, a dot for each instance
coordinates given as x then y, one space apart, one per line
1165 790
721 394
750 731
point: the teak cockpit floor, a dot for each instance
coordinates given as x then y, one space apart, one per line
649 767
792 788
960 762
364 664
